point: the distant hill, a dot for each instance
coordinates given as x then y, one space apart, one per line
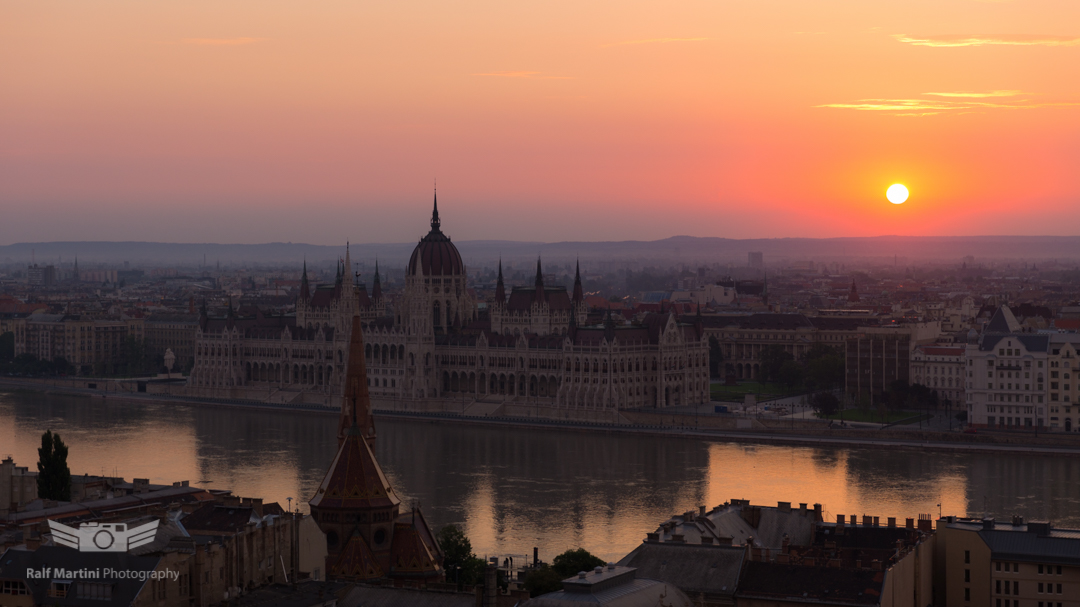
678 248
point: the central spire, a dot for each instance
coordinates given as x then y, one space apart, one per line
435 223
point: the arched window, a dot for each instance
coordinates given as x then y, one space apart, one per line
436 315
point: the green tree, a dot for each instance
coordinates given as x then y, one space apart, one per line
824 367
457 553
772 359
569 563
790 374
54 476
7 347
542 581
825 404
716 357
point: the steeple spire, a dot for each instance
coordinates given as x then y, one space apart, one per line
376 288
539 282
347 273
579 295
500 290
435 223
356 405
305 290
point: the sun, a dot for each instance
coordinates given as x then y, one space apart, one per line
897 193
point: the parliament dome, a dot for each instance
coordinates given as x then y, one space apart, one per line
435 255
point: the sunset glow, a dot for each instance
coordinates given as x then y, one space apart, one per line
897 193
203 121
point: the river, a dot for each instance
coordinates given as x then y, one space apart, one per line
512 489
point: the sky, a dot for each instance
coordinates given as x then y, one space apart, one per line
260 121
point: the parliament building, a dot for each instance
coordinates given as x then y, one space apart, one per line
532 351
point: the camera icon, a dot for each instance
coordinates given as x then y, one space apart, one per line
103 537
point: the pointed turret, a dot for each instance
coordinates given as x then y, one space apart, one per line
356 404
500 290
347 274
305 289
539 282
853 296
376 288
579 294
435 223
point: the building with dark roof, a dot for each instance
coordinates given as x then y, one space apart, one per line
1014 562
434 349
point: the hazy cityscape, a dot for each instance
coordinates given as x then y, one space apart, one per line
712 304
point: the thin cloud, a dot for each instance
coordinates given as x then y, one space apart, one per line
533 75
932 107
221 41
989 40
978 95
655 41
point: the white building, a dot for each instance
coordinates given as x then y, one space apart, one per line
1006 372
940 368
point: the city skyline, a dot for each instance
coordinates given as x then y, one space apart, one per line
253 123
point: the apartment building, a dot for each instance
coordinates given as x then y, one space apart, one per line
1006 564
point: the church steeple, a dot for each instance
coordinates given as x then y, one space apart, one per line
347 270
435 223
376 288
500 290
578 292
539 282
305 290
356 404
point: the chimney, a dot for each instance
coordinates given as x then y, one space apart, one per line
877 521
867 520
892 521
858 563
839 519
491 586
802 507
783 506
707 541
1017 520
988 523
677 538
875 565
910 523
536 553
649 537
817 511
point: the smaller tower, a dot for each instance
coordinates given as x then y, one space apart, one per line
853 296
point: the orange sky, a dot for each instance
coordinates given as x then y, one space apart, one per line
247 121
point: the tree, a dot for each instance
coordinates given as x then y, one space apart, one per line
772 358
54 476
457 552
542 581
790 374
7 347
825 404
569 563
716 356
824 367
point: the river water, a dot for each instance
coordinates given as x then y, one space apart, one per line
512 489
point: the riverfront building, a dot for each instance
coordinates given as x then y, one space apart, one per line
1008 564
435 349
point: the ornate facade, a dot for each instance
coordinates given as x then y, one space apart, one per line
436 350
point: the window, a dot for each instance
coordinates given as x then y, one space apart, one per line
1016 567
14 587
997 565
967 594
967 557
1059 588
59 589
967 576
1040 587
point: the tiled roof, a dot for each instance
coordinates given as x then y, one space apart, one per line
355 479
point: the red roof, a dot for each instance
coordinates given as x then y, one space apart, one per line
355 479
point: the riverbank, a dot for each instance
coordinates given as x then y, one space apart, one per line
648 423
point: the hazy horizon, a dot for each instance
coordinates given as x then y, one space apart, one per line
256 122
